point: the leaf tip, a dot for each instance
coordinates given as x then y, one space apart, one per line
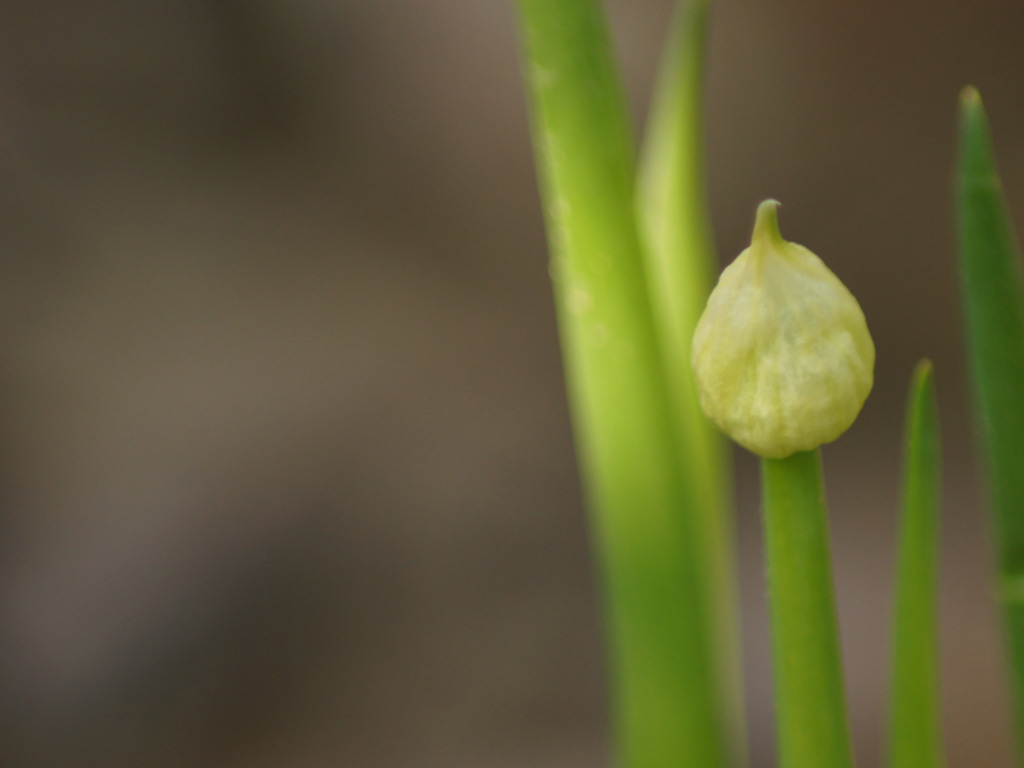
922 400
924 372
970 98
977 160
972 110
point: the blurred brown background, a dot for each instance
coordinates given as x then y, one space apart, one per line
286 476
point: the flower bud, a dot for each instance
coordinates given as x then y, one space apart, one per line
782 355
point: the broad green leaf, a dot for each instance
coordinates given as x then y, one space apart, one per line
663 682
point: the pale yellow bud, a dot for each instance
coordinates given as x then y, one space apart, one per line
782 355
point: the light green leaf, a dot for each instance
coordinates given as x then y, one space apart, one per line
676 230
665 706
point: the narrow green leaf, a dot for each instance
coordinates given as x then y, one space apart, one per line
663 683
915 729
676 230
994 306
810 706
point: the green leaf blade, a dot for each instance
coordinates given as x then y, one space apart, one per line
993 297
810 703
915 728
663 683
672 207
676 229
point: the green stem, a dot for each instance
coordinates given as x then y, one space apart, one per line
916 723
810 705
663 682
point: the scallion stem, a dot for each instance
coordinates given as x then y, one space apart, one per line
810 706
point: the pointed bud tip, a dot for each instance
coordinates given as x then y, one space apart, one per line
766 223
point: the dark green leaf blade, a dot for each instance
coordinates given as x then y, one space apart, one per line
915 728
993 295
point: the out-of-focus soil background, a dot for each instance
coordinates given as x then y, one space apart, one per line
286 476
